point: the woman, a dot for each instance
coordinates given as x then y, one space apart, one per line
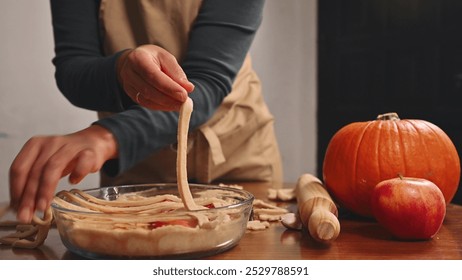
135 62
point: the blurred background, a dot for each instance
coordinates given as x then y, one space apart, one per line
284 55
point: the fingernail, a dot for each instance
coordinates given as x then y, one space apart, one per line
24 215
72 180
42 205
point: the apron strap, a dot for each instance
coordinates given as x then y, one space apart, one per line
215 146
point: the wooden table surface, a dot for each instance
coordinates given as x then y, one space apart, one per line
359 239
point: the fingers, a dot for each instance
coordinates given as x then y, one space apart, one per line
41 178
77 166
57 166
151 97
171 68
19 170
36 171
156 75
86 162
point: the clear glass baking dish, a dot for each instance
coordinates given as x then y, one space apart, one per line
171 232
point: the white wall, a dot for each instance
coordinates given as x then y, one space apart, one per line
30 103
284 54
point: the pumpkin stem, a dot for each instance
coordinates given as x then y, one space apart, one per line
388 117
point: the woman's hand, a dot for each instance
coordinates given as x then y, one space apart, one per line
44 160
152 77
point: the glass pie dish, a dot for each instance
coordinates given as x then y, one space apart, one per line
150 221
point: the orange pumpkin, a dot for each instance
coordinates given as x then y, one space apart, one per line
362 154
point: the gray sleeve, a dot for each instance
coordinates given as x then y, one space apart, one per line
219 41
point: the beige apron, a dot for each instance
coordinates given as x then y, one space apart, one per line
237 144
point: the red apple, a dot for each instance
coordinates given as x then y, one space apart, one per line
409 208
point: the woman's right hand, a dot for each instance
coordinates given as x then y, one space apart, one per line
44 160
152 77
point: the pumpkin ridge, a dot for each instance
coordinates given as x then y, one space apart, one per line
377 150
422 141
401 148
438 135
355 185
448 143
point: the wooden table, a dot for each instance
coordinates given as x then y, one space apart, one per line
359 240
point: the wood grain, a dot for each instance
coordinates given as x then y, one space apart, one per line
359 239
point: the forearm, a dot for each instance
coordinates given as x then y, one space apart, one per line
83 74
138 133
91 83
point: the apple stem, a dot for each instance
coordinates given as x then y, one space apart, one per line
400 176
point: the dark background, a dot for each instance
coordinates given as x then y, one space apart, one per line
379 56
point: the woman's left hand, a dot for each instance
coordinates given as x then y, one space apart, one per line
44 160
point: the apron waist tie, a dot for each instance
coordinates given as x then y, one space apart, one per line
215 146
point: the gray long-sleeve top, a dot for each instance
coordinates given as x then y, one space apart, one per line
219 41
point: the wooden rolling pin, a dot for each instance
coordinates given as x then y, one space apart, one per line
316 208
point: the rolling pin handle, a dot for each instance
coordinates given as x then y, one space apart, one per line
317 210
323 225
